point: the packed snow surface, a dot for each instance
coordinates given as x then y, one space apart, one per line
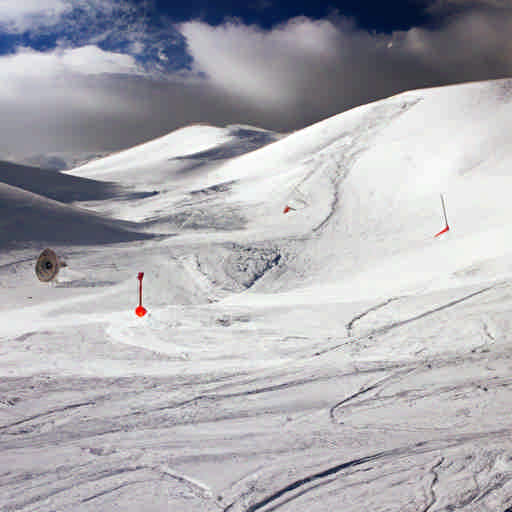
335 357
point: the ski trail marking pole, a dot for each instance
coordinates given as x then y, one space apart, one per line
140 310
444 210
446 226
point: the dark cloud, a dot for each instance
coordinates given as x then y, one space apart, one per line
89 100
72 113
443 7
308 69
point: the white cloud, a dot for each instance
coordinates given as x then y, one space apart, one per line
21 15
27 64
88 100
78 20
262 66
11 9
321 65
60 84
117 25
137 48
48 96
92 60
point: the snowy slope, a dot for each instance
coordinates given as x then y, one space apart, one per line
170 167
336 356
26 217
160 158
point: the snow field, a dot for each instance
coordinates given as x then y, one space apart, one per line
337 355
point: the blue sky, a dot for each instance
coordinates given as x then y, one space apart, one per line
372 14
113 24
100 75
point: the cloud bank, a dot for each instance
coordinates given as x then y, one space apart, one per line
446 6
83 97
307 69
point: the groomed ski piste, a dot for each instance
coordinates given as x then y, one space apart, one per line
334 357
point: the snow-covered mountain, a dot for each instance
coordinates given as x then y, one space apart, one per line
310 345
55 161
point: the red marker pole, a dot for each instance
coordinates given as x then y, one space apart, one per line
446 226
140 310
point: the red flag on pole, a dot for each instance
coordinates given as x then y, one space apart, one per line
447 228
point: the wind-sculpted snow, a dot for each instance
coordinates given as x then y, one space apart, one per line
244 141
332 355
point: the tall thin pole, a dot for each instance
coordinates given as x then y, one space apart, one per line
444 210
140 276
140 310
446 227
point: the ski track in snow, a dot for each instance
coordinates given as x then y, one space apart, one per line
303 485
350 325
389 327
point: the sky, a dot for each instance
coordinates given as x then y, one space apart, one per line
83 76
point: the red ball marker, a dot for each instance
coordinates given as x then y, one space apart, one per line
140 310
